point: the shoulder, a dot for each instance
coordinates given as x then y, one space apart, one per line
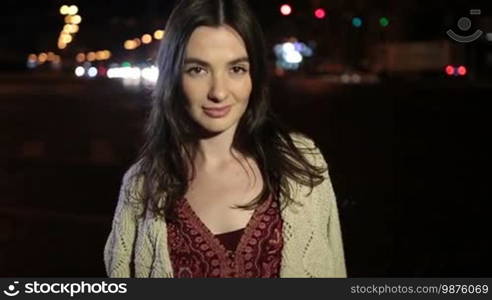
132 173
132 186
301 140
307 146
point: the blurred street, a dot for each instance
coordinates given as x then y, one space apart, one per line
407 159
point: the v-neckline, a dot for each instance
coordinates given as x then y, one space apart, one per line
210 236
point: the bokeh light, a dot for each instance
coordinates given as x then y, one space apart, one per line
130 45
70 28
42 57
124 72
384 22
462 70
293 57
73 10
91 56
288 47
74 28
107 54
51 56
64 9
61 45
158 34
65 38
79 71
319 13
146 38
32 57
285 9
92 72
290 55
100 55
449 70
357 22
76 19
80 57
67 28
150 74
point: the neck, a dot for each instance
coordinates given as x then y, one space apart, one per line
216 150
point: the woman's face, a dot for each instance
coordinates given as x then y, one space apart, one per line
215 78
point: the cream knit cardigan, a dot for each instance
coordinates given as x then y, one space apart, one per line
137 247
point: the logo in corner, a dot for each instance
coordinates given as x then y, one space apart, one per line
465 24
11 290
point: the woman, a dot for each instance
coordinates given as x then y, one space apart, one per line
220 188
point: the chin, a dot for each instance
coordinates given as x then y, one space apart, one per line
217 127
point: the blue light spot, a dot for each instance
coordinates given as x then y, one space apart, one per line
357 22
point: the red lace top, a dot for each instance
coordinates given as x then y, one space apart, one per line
252 252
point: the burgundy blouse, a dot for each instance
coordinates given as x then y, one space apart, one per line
251 252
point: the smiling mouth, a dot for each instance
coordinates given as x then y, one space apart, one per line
217 112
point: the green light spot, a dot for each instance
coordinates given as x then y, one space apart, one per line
384 22
126 64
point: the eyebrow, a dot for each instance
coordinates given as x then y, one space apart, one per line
194 60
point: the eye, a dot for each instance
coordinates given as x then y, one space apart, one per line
239 70
195 70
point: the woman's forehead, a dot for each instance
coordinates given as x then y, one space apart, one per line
215 43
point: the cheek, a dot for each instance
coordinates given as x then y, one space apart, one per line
192 91
243 90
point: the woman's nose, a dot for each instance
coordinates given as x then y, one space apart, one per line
218 88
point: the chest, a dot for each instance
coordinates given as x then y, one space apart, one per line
214 196
304 251
195 252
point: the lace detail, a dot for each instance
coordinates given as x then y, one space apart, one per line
196 252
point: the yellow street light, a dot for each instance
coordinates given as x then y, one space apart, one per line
67 28
80 57
107 54
74 28
64 9
130 44
159 34
100 55
51 56
61 45
66 38
76 19
146 38
73 10
91 56
42 57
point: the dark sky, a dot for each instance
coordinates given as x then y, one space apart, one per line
34 26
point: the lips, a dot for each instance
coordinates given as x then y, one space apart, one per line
217 112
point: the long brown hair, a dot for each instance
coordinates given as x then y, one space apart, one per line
171 136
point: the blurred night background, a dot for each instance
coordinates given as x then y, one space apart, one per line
398 107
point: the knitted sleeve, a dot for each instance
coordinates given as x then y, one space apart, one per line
118 251
327 207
